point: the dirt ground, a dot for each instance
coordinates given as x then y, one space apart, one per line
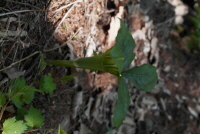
68 29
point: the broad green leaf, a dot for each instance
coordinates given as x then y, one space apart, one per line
11 126
2 99
143 77
60 131
123 49
42 62
34 118
122 103
67 78
47 85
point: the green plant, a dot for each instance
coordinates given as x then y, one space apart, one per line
116 61
27 118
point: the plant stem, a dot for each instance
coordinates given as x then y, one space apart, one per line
41 130
3 109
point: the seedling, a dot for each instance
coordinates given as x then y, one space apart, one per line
116 61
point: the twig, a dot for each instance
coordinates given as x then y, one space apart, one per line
41 130
3 109
21 11
19 61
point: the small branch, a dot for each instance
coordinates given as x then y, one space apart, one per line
41 130
19 61
3 109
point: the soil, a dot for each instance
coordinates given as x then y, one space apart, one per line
69 29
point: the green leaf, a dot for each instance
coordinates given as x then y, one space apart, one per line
109 63
24 98
67 78
34 118
2 99
20 91
143 77
118 57
122 103
42 62
18 83
47 85
20 88
11 126
123 49
60 131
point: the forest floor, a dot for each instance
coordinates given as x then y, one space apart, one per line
70 29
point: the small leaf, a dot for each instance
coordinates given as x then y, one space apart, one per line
11 126
67 78
19 87
123 49
21 91
47 85
60 131
122 103
143 77
42 62
34 118
18 83
2 99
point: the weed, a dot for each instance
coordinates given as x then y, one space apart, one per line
115 61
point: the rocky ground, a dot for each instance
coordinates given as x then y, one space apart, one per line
66 29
